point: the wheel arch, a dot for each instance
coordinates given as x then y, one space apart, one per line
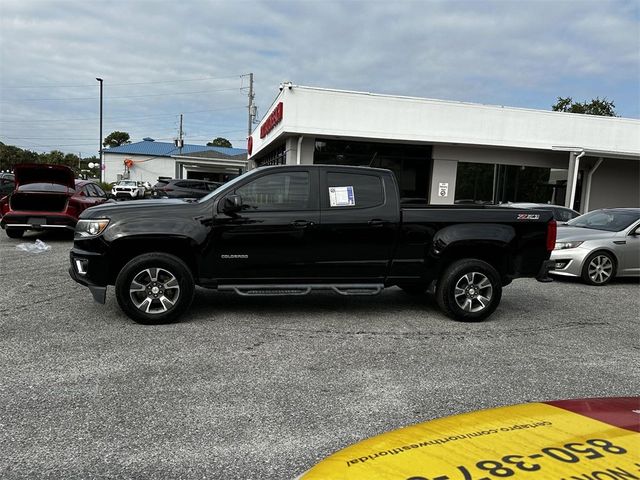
603 250
125 249
489 242
494 254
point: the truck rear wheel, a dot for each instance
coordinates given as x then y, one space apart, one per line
469 290
155 288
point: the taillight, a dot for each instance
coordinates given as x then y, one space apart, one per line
552 230
4 205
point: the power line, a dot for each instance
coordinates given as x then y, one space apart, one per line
45 138
118 97
121 116
92 85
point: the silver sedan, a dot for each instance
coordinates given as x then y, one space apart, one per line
599 246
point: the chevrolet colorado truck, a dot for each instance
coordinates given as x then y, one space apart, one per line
289 230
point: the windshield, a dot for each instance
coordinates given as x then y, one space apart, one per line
608 220
129 183
225 186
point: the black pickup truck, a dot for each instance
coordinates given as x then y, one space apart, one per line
288 230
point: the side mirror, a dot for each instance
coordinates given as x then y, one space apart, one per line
82 194
232 204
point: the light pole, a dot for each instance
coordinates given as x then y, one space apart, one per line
100 162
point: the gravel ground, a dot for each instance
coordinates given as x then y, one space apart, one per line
263 388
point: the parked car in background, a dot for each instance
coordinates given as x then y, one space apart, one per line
46 197
560 214
127 189
599 246
7 184
183 188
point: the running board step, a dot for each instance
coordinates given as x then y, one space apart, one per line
281 290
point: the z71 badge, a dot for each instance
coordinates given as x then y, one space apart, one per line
528 216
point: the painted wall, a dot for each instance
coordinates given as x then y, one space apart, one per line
444 172
616 183
504 156
146 168
307 149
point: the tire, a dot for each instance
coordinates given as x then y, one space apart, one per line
599 269
469 290
15 232
155 288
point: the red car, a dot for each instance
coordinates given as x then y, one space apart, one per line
46 197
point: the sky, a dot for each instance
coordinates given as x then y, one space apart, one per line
159 59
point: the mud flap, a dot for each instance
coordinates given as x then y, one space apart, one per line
99 293
543 274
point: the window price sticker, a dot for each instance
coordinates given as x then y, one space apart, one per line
590 439
341 196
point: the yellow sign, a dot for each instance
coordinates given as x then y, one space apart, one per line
531 441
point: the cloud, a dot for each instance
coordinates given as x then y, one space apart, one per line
522 53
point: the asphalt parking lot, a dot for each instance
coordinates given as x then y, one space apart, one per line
262 388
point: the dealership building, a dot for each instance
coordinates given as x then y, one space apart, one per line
449 152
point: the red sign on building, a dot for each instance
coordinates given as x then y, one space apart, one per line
272 120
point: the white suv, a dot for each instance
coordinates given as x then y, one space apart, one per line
127 189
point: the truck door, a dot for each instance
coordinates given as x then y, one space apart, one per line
273 238
359 219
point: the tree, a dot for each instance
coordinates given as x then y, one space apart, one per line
596 106
220 142
115 139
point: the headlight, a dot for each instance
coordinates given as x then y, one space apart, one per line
565 245
91 228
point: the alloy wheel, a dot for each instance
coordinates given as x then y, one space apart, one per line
473 292
154 290
600 269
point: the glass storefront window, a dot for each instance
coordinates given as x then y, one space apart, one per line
277 157
411 164
495 183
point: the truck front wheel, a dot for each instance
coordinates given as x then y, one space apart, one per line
155 288
469 290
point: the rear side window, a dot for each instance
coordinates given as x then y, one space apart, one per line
89 190
281 191
563 214
348 190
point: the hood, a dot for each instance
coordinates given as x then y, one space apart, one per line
137 208
568 234
27 173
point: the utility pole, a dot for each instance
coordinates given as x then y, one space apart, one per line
250 106
100 161
181 142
